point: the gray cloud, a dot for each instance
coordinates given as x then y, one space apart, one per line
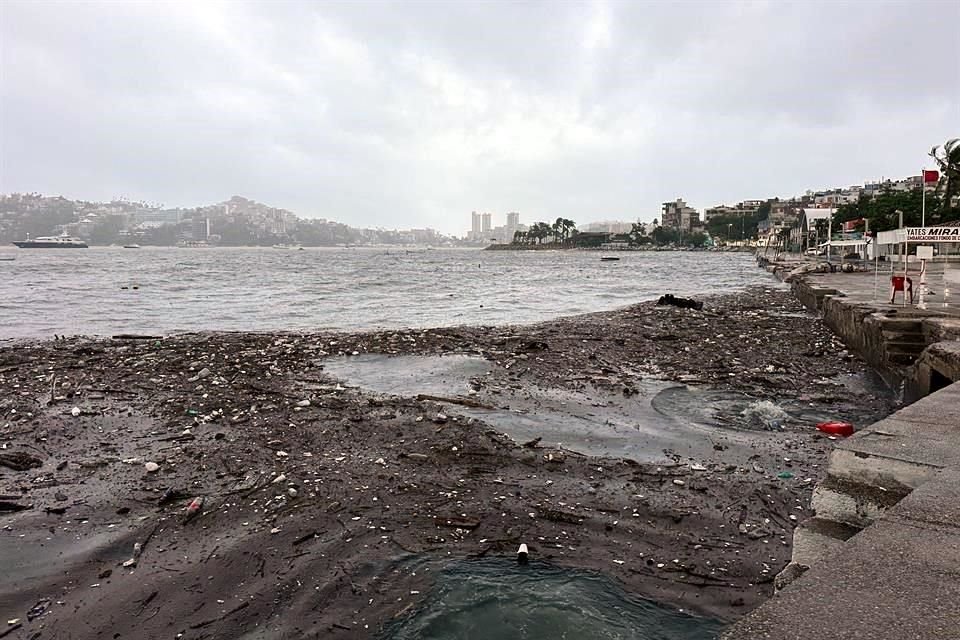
413 114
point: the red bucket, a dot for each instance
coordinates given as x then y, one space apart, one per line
835 428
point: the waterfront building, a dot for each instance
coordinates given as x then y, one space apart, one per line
677 215
155 217
745 208
485 223
609 226
201 228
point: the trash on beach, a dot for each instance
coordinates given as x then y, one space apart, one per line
75 412
151 467
169 496
836 428
683 303
785 475
522 554
193 509
137 550
19 461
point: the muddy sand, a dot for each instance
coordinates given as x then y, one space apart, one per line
671 449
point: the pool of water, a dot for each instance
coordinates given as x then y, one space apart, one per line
497 599
594 422
662 420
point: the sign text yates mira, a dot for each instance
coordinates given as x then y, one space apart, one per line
933 234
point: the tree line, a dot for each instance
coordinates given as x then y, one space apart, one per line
562 231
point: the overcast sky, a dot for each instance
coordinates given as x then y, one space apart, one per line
414 114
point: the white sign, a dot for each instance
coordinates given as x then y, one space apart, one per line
933 234
925 253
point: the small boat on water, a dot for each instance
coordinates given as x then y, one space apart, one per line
6 258
52 242
608 258
131 246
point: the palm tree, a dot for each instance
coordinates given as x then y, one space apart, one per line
540 231
949 163
519 237
557 229
568 227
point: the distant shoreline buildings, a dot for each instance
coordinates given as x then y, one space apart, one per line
782 213
482 230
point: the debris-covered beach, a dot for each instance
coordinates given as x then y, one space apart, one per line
265 485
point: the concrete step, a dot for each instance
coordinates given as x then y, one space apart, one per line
902 359
888 463
910 325
903 346
852 503
817 540
917 337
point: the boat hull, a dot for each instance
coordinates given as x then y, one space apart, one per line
23 244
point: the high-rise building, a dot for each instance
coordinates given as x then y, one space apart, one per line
201 228
485 223
513 220
475 226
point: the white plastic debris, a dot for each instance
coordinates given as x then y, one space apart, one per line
75 412
151 467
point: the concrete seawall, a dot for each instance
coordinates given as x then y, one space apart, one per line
908 346
880 558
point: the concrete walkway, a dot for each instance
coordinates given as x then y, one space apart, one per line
899 578
880 558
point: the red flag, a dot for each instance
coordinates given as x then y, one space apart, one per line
930 176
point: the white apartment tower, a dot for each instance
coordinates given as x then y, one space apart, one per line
475 226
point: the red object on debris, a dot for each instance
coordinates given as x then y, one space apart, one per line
193 509
835 428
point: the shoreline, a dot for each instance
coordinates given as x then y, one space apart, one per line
642 248
388 477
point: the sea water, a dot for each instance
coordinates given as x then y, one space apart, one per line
163 290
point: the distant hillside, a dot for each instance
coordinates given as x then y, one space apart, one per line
235 222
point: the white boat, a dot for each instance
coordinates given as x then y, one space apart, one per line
52 242
131 246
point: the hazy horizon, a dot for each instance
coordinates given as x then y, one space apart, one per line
414 114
